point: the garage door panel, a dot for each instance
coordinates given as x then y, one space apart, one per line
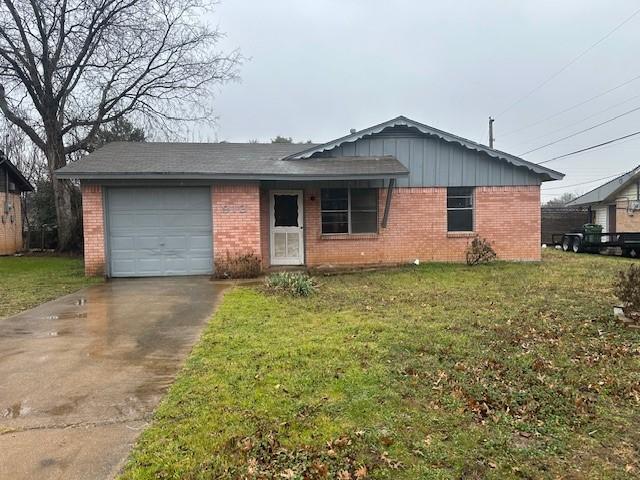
201 220
122 243
199 203
121 220
159 231
176 242
147 243
199 265
124 267
200 242
176 266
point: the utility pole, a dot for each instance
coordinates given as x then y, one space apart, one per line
491 139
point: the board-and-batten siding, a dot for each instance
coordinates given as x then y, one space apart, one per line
630 192
434 162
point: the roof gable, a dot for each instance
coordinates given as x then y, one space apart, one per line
607 190
401 121
14 174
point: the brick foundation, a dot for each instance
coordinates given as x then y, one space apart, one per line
93 229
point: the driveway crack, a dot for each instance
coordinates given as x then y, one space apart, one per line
62 426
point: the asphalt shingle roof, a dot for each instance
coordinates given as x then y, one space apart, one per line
223 160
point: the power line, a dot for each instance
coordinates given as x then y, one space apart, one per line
572 107
590 148
585 183
580 121
567 65
582 131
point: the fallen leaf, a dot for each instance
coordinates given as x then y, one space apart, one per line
252 468
320 469
361 472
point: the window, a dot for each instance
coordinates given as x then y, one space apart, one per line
460 209
349 210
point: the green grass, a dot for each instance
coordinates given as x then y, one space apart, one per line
438 371
28 281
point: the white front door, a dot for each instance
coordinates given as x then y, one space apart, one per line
287 238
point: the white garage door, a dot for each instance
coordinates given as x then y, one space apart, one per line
159 231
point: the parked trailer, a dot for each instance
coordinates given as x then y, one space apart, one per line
581 241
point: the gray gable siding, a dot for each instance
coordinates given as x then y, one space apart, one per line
434 162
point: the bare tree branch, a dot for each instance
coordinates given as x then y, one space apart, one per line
68 67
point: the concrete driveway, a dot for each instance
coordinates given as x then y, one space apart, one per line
81 375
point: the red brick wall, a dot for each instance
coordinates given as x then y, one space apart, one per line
508 216
236 219
93 228
10 224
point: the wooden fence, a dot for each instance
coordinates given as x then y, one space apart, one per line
562 219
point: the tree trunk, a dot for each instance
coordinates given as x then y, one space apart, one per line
61 191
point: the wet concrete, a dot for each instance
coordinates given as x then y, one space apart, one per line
81 375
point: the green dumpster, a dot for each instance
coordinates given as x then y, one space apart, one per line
592 232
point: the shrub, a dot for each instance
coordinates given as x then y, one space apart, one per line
292 283
480 251
627 288
245 265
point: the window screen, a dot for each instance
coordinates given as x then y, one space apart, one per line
346 210
460 209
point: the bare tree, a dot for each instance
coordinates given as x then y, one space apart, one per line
69 66
22 153
561 200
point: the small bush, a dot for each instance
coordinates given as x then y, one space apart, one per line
627 288
245 265
291 283
480 251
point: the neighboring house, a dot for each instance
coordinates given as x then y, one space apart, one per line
389 194
12 184
616 204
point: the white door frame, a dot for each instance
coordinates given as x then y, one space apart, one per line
273 229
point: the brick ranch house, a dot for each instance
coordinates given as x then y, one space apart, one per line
616 204
388 194
12 184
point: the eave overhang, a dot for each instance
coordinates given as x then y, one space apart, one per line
231 176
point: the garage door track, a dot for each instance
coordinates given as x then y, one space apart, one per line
81 375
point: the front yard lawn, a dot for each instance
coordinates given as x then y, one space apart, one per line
437 371
28 281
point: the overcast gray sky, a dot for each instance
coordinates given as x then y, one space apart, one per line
317 68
